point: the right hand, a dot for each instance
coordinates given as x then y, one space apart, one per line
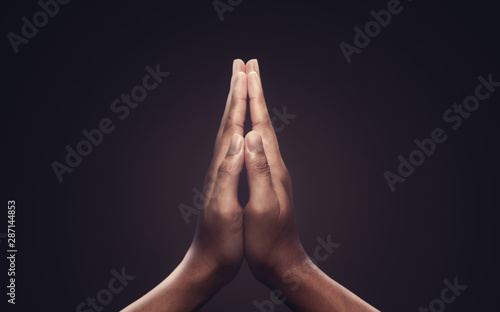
272 244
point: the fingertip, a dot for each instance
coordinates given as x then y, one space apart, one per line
253 65
252 135
235 145
238 65
254 142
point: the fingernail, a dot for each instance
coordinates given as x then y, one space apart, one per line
235 145
257 69
255 143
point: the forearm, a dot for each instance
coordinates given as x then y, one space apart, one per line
187 288
307 288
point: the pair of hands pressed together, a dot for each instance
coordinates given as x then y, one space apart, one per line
263 232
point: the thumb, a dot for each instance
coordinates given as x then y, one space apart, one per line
228 174
262 198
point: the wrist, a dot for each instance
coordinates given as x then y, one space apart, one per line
277 274
200 273
206 271
192 283
291 266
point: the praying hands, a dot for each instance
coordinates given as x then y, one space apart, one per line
263 231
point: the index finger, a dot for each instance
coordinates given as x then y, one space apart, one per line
233 120
261 122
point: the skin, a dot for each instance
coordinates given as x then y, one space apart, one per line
264 232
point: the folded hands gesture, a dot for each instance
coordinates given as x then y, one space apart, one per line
263 231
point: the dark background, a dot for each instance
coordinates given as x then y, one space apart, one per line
119 208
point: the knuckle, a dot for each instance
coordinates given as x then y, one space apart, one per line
261 166
225 170
264 123
229 124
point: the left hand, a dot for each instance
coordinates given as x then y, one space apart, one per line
219 234
216 253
